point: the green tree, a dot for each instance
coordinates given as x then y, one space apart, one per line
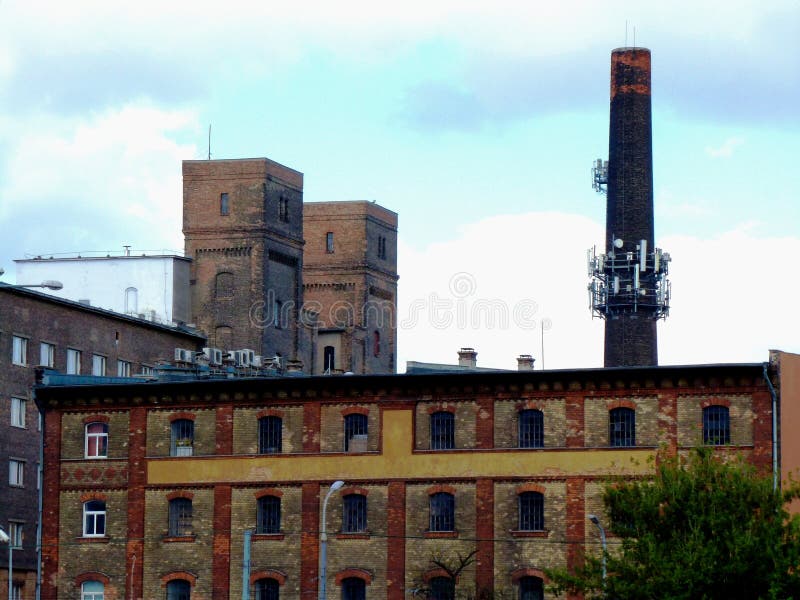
701 529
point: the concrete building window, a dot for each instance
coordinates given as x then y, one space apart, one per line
131 300
181 437
224 204
123 368
283 209
96 442
180 517
18 406
442 512
354 513
16 472
268 517
73 361
376 343
442 431
270 432
15 534
98 365
94 518
92 590
531 429
531 511
442 588
354 588
329 242
329 358
267 589
531 588
622 427
716 425
354 424
179 589
19 350
47 355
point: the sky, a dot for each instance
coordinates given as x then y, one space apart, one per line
477 122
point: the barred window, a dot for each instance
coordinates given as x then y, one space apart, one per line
442 431
442 512
268 518
531 429
622 427
355 424
442 588
354 517
353 588
270 435
267 589
181 437
531 511
96 440
179 589
716 425
180 517
531 588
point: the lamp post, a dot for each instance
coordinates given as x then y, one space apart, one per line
594 519
323 541
49 284
4 537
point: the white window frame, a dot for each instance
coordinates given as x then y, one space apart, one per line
19 350
97 437
18 407
147 370
73 361
99 367
93 515
16 590
124 368
16 472
15 534
47 355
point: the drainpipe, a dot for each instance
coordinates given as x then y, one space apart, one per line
40 481
774 428
248 533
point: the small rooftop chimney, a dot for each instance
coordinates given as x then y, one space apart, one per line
525 362
467 357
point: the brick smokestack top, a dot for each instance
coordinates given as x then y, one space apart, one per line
630 339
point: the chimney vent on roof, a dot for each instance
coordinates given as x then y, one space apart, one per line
525 362
467 357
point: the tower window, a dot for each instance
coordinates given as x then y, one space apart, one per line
376 343
224 204
382 247
329 242
283 209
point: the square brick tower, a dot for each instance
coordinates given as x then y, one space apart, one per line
350 279
243 228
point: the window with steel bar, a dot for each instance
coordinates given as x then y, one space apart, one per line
716 425
270 431
354 517
353 588
268 517
531 588
442 431
180 517
94 518
622 427
354 424
179 589
181 437
267 589
531 429
531 511
442 512
96 441
442 588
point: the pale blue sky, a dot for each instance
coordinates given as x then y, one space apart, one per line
469 119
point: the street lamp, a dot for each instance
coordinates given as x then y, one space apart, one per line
594 519
49 284
323 541
4 537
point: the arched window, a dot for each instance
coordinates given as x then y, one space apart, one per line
181 437
267 589
442 431
354 513
716 425
531 511
270 435
180 517
131 300
531 588
354 588
329 358
442 512
268 517
92 590
354 425
531 429
442 588
179 589
94 518
96 440
622 427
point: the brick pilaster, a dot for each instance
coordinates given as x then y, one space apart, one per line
484 529
396 542
575 422
311 427
221 566
484 424
668 421
576 522
137 479
224 429
51 493
309 541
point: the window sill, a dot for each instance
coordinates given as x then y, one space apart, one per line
268 536
529 534
440 534
356 535
169 539
98 539
95 458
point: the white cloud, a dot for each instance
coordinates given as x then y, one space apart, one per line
727 148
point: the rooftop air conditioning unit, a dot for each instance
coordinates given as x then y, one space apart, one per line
257 362
214 355
184 355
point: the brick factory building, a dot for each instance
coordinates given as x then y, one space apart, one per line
505 464
39 329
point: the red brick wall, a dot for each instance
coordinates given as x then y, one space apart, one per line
222 541
396 532
51 493
309 542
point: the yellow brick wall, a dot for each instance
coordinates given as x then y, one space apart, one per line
245 429
73 434
465 419
158 431
690 419
506 422
596 420
332 427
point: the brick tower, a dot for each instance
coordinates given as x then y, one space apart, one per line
350 279
629 288
243 228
